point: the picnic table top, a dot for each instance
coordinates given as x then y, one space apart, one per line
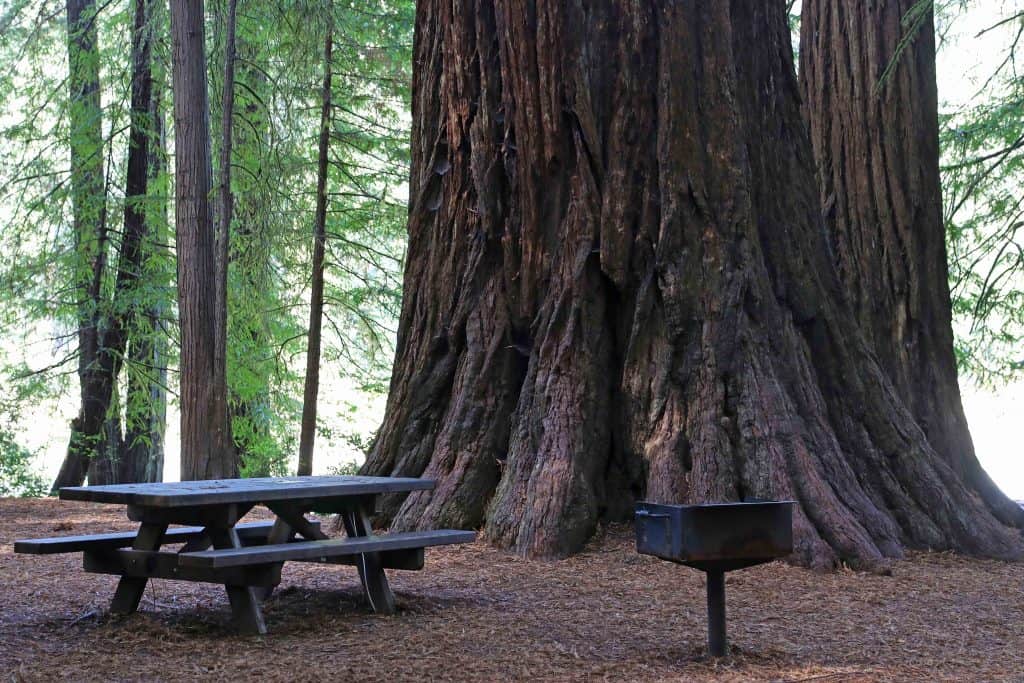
254 490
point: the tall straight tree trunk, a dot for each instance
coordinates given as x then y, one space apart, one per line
876 144
146 404
225 443
307 433
117 327
618 286
88 197
201 430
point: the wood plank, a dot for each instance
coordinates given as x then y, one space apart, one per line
292 515
313 550
164 565
282 532
327 506
248 532
255 490
406 559
214 515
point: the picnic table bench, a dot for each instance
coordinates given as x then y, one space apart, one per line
246 558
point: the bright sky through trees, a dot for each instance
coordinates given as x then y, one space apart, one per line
964 63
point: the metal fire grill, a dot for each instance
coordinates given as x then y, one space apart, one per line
715 539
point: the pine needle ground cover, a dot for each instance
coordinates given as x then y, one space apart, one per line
477 614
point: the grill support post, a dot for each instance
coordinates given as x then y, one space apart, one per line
716 612
716 538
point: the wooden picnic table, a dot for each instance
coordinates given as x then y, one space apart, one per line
245 558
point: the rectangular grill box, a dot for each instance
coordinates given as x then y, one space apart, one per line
716 538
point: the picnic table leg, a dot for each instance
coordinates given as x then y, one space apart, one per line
130 588
371 572
281 532
245 603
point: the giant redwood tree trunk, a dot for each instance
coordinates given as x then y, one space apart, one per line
618 286
873 116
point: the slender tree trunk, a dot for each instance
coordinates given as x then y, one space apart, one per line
146 409
618 286
876 143
316 298
146 412
88 197
200 430
129 267
224 443
106 467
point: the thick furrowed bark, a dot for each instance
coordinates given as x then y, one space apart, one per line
469 449
619 287
877 152
549 497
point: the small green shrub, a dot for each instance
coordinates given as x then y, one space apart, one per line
17 476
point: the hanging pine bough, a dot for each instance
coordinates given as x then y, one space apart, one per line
618 286
983 171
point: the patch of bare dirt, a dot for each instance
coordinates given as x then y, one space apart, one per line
477 614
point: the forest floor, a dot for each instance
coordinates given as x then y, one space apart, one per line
476 614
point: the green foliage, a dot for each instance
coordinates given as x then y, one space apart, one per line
348 468
274 151
278 75
983 177
17 476
277 100
58 272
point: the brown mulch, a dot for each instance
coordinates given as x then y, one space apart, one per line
477 614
